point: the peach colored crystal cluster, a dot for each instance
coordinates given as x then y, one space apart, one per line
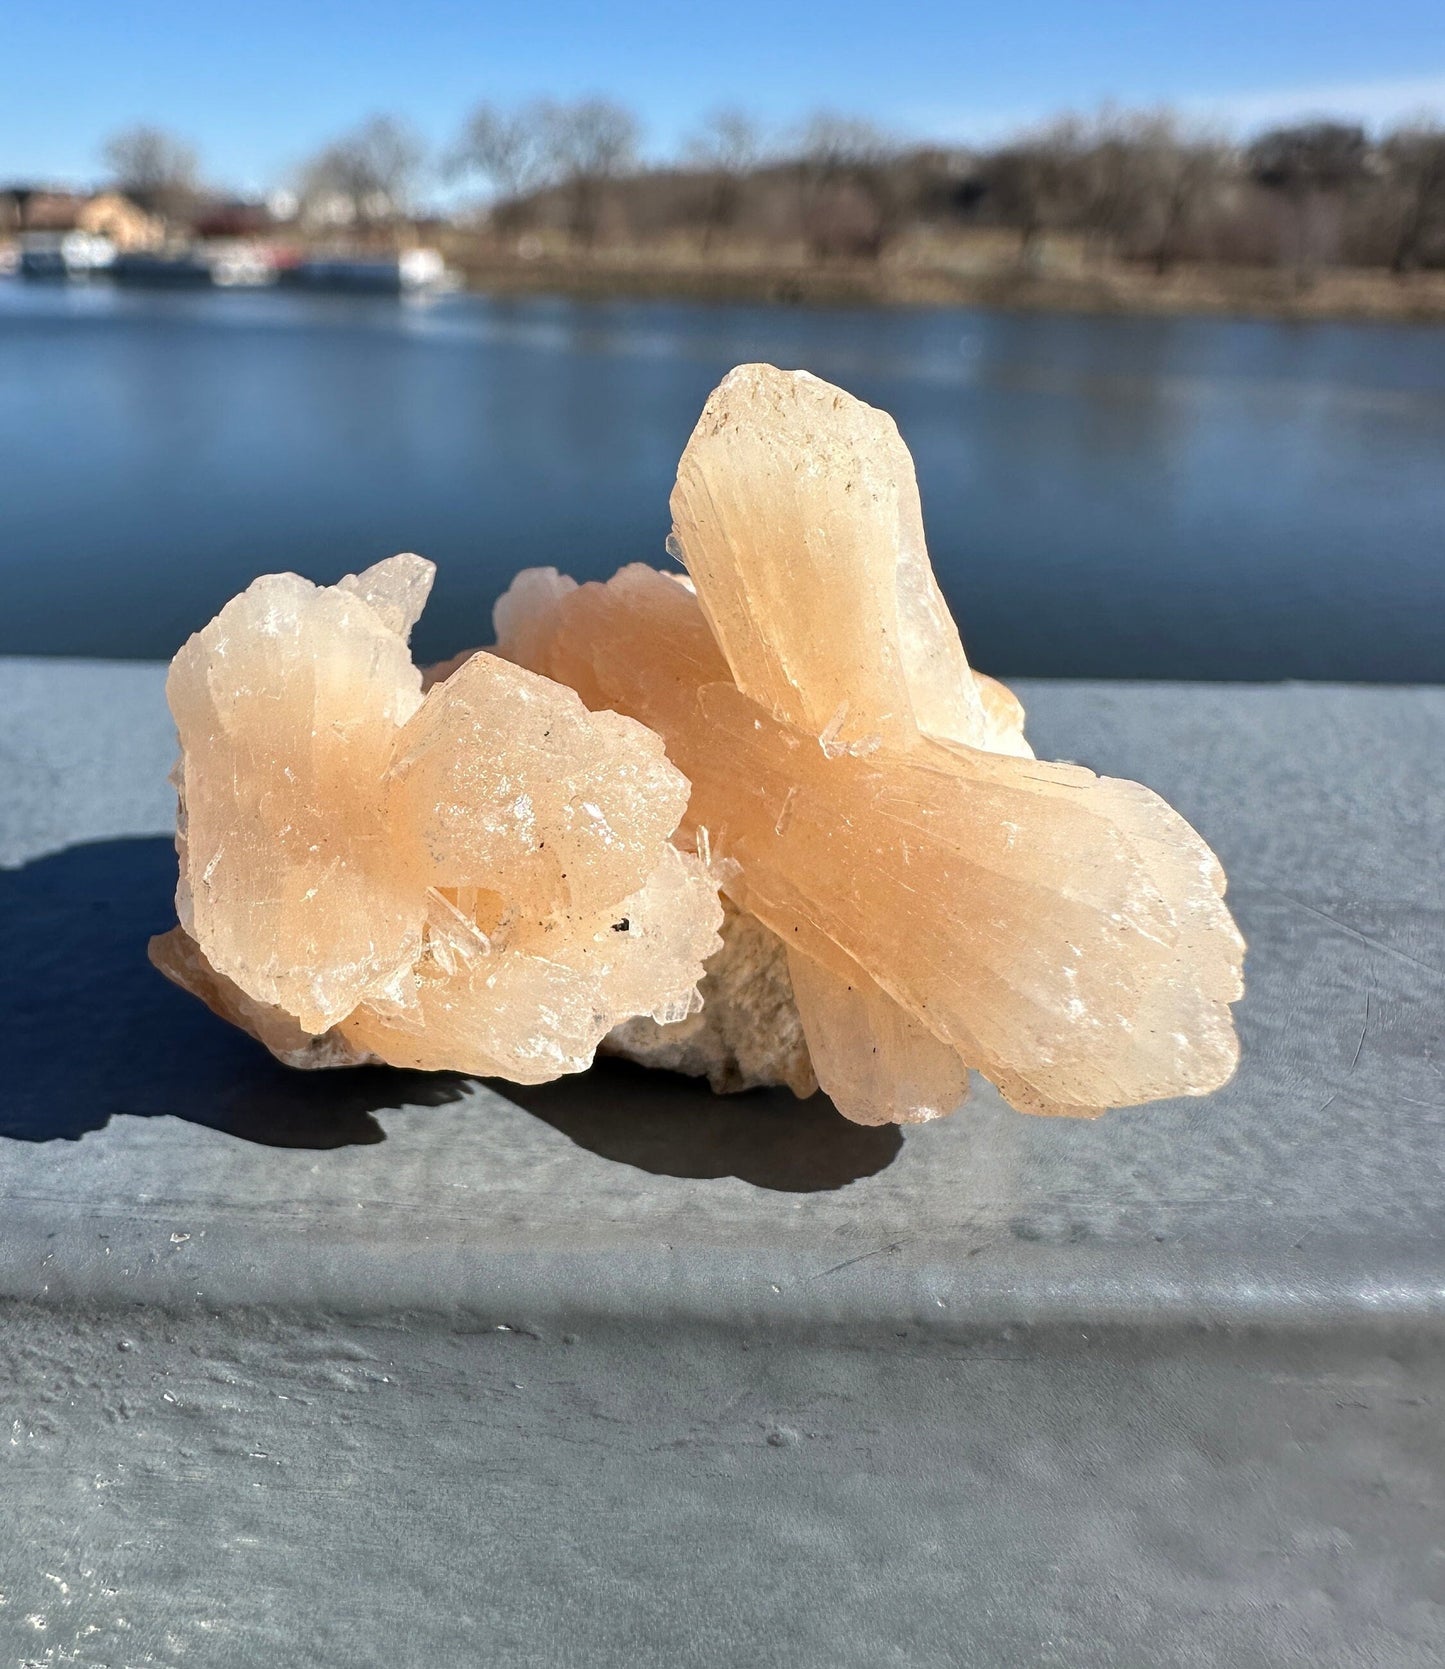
477 878
498 876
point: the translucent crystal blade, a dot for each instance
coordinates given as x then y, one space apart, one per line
481 880
396 589
797 512
287 705
1061 932
877 1063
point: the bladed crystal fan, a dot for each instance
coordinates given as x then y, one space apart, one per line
908 892
477 878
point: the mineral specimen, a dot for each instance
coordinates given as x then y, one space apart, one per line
495 868
478 878
942 899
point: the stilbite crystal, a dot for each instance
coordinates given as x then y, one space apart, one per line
944 900
480 878
495 867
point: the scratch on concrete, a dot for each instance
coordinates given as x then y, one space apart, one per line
877 1252
1355 933
1364 1031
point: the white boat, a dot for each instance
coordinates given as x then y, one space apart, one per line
411 272
64 255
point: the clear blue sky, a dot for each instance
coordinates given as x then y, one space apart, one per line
257 85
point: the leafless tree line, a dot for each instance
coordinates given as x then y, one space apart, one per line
1142 186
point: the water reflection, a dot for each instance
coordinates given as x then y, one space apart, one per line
1111 497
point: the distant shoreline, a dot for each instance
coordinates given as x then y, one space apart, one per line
1340 294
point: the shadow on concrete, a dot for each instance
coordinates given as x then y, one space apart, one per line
675 1126
91 1030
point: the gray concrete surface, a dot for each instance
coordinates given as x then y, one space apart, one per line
381 1368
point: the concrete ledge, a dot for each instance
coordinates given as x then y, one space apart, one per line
430 1371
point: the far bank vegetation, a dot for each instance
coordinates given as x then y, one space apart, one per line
1134 209
1119 208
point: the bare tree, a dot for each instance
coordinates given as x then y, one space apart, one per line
1131 181
1310 166
1170 177
586 144
834 143
1097 184
1414 159
369 176
729 139
844 162
728 147
509 150
157 169
1028 185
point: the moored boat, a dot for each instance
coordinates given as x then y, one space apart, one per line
63 255
185 270
411 272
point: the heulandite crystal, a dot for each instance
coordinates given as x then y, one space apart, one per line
942 900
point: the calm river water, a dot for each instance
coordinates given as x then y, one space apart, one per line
1151 498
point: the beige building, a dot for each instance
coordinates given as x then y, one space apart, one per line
107 214
126 224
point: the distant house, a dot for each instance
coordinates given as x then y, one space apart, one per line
230 217
105 214
34 208
126 224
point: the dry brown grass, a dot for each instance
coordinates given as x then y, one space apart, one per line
977 269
